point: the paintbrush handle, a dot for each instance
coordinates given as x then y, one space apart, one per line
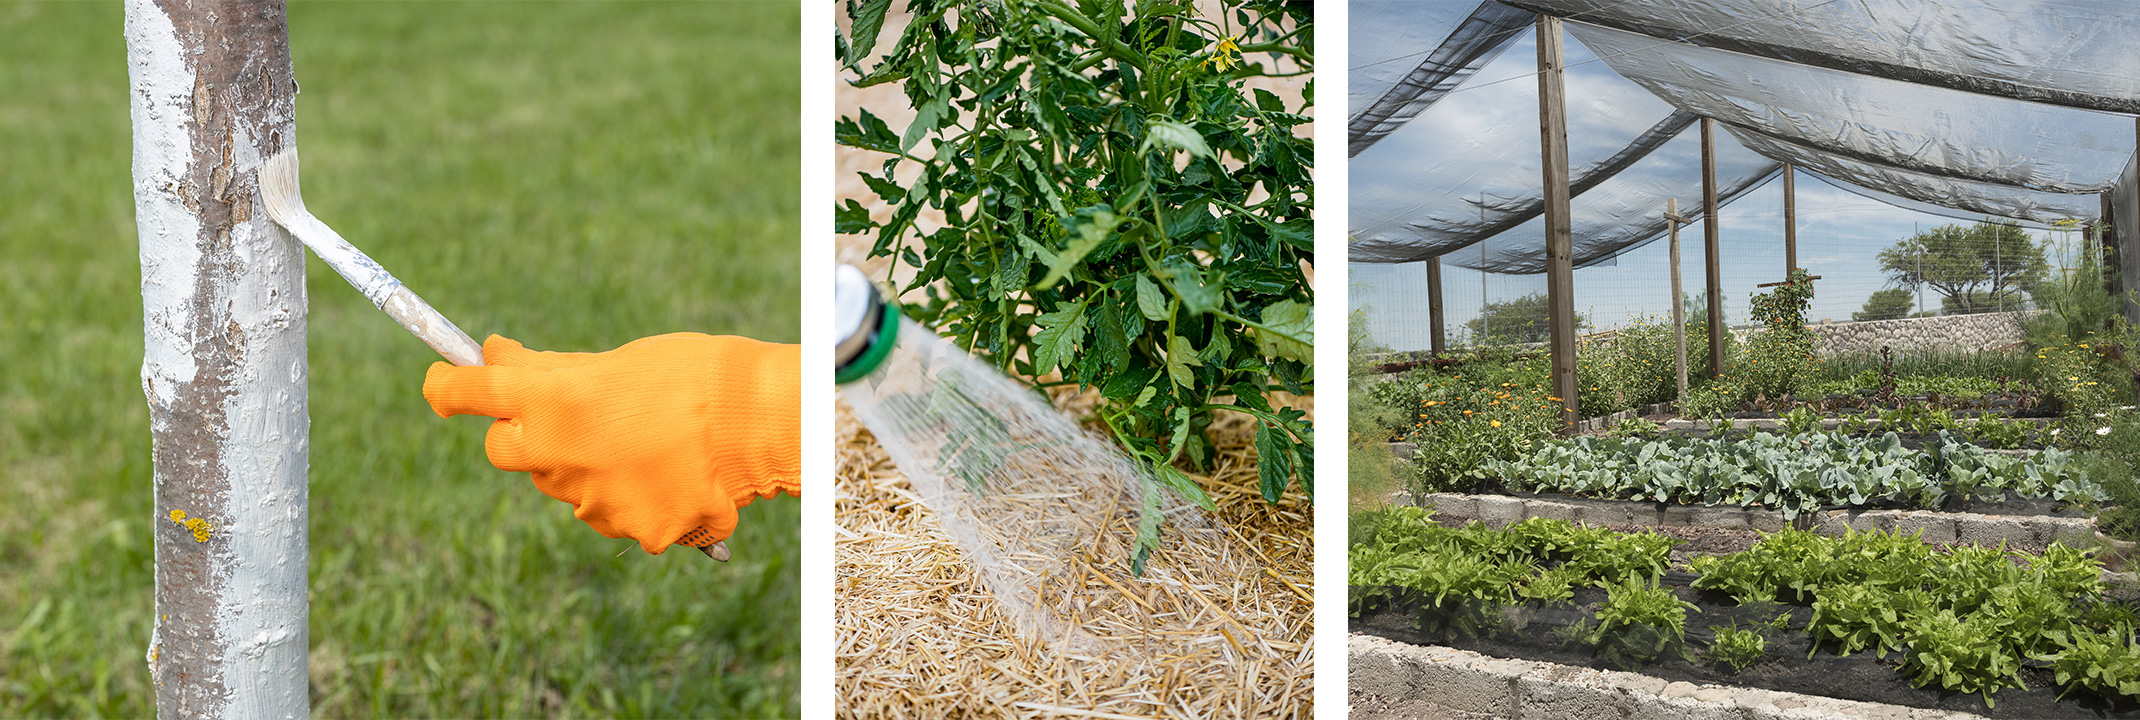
385 291
431 327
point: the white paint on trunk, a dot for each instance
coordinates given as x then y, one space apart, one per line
224 325
263 613
163 100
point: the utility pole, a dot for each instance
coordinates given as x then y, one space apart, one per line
223 301
1712 243
1672 220
1560 247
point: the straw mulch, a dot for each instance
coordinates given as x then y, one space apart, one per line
920 636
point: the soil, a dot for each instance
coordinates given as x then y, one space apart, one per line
1369 706
1535 632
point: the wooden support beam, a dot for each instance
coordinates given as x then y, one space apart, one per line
1712 243
1560 246
1679 303
2106 245
223 300
1790 219
1785 282
1439 342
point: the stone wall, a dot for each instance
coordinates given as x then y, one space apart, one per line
1981 331
1946 332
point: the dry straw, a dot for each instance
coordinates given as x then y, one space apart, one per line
1220 625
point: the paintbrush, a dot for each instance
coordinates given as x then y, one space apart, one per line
278 191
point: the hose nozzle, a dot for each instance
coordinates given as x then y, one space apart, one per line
867 326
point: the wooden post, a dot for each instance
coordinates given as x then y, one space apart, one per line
1439 342
1790 219
2107 249
1672 220
1560 247
1712 242
223 300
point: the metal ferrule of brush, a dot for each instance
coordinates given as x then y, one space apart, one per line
866 325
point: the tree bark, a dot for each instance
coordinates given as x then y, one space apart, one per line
223 300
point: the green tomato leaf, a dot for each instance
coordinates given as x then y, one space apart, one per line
1180 355
1187 487
867 18
1060 334
1294 326
1274 461
1175 135
1150 300
925 118
1195 295
1088 227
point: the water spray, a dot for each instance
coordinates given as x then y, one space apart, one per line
1046 511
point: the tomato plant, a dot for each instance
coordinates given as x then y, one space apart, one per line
1119 206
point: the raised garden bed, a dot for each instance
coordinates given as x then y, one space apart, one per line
1551 591
1797 474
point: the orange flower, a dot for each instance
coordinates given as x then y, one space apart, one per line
1495 423
1467 412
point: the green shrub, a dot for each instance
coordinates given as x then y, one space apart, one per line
2073 304
1372 423
1468 416
1119 206
1780 358
1863 368
1712 399
1635 365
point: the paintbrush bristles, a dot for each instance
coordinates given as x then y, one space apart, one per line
278 187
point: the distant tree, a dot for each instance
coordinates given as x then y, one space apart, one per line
1515 321
1988 263
1982 302
1888 304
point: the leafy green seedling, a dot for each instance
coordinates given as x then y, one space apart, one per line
1735 648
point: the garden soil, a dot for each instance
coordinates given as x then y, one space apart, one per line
1532 632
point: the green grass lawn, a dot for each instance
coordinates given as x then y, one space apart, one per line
569 174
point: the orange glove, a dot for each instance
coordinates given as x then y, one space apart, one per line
662 438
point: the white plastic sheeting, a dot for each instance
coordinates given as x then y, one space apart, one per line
1392 79
1467 171
2076 53
1903 125
1974 199
1924 104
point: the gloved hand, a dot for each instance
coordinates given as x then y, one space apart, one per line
663 437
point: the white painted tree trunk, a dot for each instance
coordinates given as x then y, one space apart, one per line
223 299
